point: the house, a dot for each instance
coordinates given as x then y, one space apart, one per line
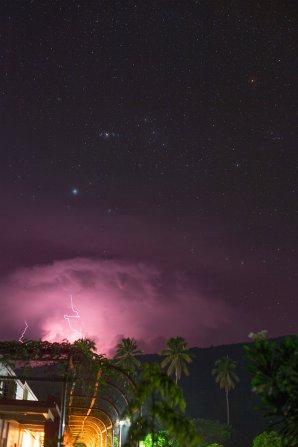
86 411
24 420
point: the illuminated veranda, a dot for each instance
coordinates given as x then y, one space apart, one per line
93 398
93 418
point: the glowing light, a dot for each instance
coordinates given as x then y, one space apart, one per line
23 333
106 134
27 439
75 316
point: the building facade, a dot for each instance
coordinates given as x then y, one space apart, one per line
25 421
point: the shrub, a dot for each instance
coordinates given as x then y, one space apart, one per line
268 439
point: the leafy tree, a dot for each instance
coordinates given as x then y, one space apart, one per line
163 404
162 439
274 366
176 357
126 354
261 335
226 377
268 439
213 431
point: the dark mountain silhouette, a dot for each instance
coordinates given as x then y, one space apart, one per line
205 400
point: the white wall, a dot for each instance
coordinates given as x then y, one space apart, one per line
23 391
30 439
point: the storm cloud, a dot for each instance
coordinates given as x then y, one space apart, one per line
113 299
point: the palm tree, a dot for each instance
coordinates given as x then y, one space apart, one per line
165 407
176 357
126 353
226 377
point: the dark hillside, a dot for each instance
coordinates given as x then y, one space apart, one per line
205 400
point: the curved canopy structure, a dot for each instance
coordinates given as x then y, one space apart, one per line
94 412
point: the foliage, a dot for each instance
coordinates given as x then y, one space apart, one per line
215 445
44 351
225 373
162 439
226 377
274 367
126 353
268 439
164 404
176 357
261 335
31 350
212 431
70 361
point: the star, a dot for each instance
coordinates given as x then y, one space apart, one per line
106 135
253 81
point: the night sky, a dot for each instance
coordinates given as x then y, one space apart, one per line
148 170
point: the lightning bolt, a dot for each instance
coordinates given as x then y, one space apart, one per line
23 333
76 316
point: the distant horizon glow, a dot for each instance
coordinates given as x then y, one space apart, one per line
117 299
120 299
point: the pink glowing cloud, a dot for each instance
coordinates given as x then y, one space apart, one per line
114 299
